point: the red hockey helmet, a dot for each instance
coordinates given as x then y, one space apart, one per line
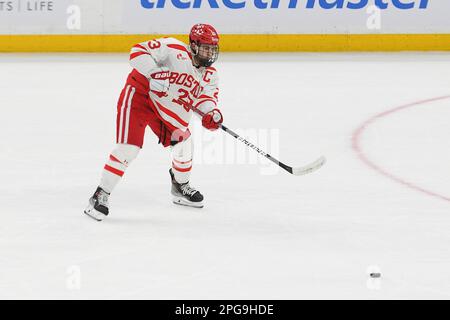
204 42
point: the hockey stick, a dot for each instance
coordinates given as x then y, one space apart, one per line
298 171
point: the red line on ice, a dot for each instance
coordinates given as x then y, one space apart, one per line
356 145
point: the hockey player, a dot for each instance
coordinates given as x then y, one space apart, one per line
167 80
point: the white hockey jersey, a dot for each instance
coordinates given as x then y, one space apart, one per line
188 85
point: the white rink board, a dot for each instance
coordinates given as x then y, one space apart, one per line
136 17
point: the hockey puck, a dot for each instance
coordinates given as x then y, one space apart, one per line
375 275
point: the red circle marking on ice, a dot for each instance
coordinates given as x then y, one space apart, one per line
356 145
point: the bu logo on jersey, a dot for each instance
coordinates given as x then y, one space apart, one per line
180 56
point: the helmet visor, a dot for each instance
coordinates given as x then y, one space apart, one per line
207 54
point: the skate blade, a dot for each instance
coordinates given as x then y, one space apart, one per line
183 202
94 214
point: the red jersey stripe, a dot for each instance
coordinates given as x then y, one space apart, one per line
199 103
182 162
171 114
114 170
204 96
123 118
140 47
137 54
112 158
181 48
181 169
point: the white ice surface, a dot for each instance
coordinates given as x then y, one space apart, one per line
259 236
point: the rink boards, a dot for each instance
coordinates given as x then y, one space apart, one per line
233 43
244 25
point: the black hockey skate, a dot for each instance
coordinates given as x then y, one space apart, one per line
98 205
184 195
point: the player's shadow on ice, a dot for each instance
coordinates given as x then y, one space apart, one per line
162 217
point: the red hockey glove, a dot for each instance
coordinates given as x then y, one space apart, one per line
212 119
159 81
